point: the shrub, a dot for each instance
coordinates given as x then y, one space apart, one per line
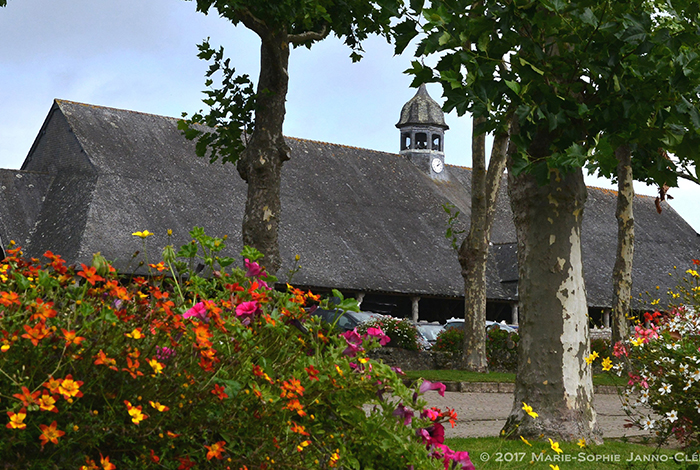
401 331
502 350
219 371
662 360
501 346
450 340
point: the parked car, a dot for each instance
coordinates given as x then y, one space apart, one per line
429 332
344 320
459 323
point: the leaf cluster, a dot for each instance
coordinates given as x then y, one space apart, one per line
581 77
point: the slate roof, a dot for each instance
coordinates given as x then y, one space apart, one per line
359 219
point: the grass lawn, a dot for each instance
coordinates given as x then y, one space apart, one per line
449 375
495 453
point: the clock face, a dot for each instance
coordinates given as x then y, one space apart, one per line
437 165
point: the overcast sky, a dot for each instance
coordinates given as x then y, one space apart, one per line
142 55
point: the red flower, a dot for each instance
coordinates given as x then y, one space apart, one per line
50 434
219 392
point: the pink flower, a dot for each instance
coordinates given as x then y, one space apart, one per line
428 385
246 310
199 310
354 342
254 269
403 413
164 353
379 334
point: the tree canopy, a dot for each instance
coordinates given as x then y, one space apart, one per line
590 73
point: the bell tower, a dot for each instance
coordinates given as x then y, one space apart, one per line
422 126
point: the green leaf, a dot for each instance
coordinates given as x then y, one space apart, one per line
251 253
515 86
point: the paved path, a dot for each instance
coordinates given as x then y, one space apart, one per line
484 414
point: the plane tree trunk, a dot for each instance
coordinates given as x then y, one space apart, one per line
260 164
622 272
552 377
474 250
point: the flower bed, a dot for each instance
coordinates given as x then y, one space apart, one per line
193 371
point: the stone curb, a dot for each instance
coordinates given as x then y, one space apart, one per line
504 387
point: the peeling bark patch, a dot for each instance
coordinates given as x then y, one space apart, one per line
578 386
560 263
267 214
552 200
552 239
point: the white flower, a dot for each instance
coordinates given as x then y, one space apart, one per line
648 423
672 416
695 375
665 388
683 368
688 385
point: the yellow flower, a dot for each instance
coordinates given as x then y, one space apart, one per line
554 467
607 364
157 366
528 410
143 234
555 446
525 441
582 442
135 334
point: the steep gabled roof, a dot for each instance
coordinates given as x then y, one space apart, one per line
359 219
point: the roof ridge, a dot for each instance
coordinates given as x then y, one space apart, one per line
340 145
614 191
87 105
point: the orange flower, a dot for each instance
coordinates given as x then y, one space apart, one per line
9 298
70 388
101 358
90 274
215 450
294 405
16 419
47 403
27 397
172 435
36 333
52 384
42 310
299 429
292 388
71 338
50 434
106 464
132 367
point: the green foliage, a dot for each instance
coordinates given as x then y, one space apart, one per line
575 74
601 346
181 371
450 340
401 331
452 233
224 131
501 347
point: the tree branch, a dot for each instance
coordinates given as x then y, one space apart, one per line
253 23
309 36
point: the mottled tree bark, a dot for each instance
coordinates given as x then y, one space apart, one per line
622 272
261 162
473 253
552 374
